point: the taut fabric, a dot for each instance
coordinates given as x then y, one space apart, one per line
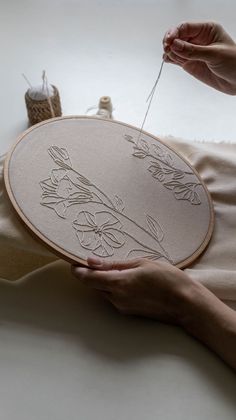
21 254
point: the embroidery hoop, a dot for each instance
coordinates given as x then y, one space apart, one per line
116 241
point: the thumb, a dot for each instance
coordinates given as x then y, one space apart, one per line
99 264
191 51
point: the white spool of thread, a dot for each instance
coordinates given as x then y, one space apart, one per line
104 108
105 103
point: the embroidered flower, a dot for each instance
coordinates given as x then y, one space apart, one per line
59 192
60 156
100 232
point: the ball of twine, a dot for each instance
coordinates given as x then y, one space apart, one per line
44 109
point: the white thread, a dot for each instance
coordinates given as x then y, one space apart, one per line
150 98
27 80
45 85
42 92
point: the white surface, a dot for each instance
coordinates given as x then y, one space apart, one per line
110 47
64 354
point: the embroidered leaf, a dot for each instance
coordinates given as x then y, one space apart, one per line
60 156
139 153
129 138
159 175
157 171
184 191
155 228
114 237
79 198
167 158
47 185
178 174
59 207
167 170
155 166
144 145
141 253
119 203
171 185
158 150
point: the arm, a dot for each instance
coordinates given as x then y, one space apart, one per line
204 50
212 322
163 292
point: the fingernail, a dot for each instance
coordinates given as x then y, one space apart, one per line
177 45
166 48
94 261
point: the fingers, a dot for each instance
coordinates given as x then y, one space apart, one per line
167 59
174 59
100 264
169 36
202 33
189 51
100 280
105 275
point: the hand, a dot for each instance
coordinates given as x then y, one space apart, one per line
140 287
205 51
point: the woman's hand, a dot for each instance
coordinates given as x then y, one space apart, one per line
162 291
205 51
140 287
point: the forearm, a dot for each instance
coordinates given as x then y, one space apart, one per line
211 321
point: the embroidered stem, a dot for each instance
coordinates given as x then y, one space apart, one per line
167 164
150 249
94 186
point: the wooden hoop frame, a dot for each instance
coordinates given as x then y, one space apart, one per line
58 250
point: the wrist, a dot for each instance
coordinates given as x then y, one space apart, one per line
209 320
192 303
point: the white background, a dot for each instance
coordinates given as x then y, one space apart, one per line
109 47
63 353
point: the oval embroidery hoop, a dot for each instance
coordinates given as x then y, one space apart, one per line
88 186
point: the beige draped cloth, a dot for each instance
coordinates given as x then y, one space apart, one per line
21 253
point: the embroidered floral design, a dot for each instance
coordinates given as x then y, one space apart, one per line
162 168
100 232
184 191
59 192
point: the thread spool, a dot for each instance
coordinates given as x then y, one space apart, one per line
42 102
105 108
105 103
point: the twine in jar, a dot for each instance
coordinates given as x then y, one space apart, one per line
42 102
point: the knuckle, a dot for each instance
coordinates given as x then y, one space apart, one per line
190 50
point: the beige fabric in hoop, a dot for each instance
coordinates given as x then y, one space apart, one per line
216 268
